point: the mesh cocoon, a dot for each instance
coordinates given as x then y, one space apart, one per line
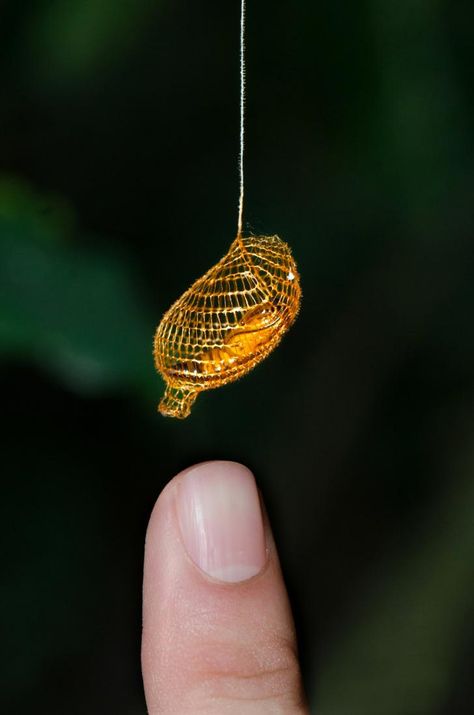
227 321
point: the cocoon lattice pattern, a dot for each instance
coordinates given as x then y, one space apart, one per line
227 322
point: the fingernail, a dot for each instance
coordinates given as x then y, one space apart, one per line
221 520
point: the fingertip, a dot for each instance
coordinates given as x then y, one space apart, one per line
215 607
220 520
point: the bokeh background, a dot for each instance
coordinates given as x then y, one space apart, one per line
118 187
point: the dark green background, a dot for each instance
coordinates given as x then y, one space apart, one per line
118 187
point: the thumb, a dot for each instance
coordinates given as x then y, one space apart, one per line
218 635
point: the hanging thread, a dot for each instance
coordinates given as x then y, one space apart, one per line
242 112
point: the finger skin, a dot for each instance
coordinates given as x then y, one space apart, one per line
212 647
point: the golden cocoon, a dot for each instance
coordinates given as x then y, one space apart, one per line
227 322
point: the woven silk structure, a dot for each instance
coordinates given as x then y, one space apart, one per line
227 322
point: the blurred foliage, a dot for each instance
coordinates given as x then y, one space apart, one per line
74 39
76 312
118 138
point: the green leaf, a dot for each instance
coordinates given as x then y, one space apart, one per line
73 310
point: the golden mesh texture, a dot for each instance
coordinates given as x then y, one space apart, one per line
227 321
